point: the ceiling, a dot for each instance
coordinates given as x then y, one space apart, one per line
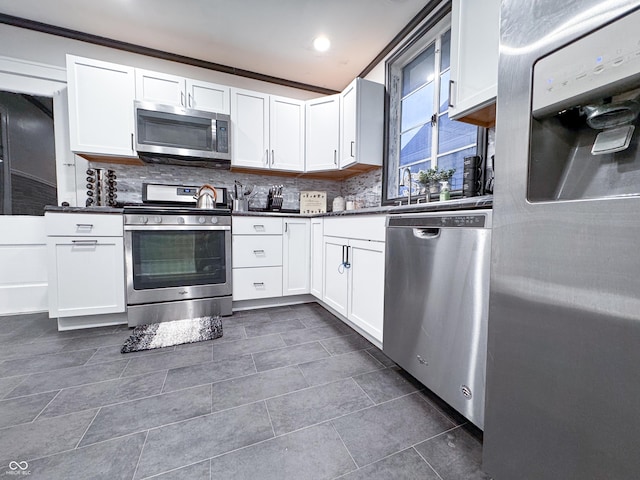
270 37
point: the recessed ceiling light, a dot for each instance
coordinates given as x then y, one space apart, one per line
321 43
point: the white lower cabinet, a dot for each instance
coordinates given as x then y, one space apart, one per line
85 264
317 256
365 306
353 273
259 282
296 256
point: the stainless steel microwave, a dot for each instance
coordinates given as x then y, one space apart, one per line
171 134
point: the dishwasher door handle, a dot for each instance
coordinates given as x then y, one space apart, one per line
426 233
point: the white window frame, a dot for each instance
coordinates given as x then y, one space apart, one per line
416 45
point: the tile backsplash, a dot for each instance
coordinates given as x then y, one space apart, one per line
365 187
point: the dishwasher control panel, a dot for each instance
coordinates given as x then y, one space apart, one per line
439 221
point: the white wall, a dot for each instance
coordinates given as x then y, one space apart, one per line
51 50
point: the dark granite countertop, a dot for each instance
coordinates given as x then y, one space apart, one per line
59 209
485 201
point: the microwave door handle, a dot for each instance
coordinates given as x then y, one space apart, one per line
214 135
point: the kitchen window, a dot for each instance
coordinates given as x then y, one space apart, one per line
420 133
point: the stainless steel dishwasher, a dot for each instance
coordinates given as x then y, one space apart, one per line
436 303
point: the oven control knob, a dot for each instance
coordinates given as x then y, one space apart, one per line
143 219
180 220
201 219
157 219
214 220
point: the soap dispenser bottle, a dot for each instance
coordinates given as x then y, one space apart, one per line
445 190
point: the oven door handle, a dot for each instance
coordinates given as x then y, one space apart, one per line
177 227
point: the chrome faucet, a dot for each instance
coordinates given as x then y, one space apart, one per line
404 174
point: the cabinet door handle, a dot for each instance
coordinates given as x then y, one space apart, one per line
352 143
84 242
132 142
190 100
267 162
344 254
335 157
347 264
451 93
273 157
286 227
182 99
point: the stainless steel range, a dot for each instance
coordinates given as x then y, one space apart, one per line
178 257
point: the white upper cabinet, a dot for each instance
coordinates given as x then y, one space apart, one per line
286 134
101 99
207 96
323 133
167 89
268 131
475 33
361 123
160 88
250 132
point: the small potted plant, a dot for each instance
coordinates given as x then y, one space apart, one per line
431 178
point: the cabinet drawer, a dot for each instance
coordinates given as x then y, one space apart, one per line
257 251
362 227
257 225
83 224
261 282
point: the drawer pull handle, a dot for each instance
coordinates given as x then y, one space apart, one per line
259 228
84 242
258 284
84 225
258 252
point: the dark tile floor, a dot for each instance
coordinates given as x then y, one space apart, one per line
286 393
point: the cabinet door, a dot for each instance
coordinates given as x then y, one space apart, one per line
475 28
316 257
100 99
160 88
86 276
366 286
250 134
296 257
348 110
208 96
335 274
322 133
286 137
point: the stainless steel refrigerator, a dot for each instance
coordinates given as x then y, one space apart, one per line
563 360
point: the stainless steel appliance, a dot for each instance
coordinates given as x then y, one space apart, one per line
436 301
184 136
178 258
563 376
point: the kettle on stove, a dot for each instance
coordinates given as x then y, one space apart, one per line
206 197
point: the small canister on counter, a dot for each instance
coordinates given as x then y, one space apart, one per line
338 204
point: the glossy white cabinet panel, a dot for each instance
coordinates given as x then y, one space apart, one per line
258 225
317 257
475 30
254 283
100 97
257 251
296 256
322 133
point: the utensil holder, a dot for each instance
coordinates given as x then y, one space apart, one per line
241 205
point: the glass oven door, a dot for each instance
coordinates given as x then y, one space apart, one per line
177 263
